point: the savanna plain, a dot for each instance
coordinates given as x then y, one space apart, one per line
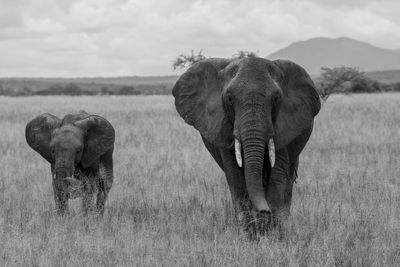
170 204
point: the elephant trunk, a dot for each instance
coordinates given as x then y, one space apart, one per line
63 172
64 165
64 180
254 140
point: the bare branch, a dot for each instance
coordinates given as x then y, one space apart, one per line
243 54
183 61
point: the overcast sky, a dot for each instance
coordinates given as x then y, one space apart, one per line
67 38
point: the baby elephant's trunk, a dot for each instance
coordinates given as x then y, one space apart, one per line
64 180
72 187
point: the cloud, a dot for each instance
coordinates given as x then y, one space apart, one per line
132 37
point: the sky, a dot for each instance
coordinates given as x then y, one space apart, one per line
79 38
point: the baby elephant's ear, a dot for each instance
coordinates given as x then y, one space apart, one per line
38 134
100 136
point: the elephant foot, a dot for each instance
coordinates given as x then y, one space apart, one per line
88 204
62 213
100 202
257 224
61 202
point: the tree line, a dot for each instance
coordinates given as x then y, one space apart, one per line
342 79
73 89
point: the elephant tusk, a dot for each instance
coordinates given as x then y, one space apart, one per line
271 152
238 153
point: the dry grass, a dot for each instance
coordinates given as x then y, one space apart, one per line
170 204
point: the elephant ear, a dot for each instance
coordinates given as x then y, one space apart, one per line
198 99
99 138
300 103
38 134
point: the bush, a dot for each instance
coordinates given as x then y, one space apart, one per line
365 85
105 91
25 91
392 87
127 90
71 89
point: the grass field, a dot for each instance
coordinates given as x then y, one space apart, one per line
170 204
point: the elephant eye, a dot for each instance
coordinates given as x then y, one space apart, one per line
233 71
229 99
276 99
78 151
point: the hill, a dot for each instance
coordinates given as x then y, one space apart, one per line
320 52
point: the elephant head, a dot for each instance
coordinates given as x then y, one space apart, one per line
76 141
250 105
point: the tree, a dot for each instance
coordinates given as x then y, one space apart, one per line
243 54
365 85
183 61
105 91
128 90
73 89
333 79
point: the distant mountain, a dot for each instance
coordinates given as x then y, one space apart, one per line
326 52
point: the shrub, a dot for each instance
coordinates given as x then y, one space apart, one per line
332 80
128 90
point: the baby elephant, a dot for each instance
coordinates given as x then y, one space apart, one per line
79 148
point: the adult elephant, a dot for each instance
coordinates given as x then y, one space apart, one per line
246 109
79 148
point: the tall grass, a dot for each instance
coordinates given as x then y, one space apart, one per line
170 204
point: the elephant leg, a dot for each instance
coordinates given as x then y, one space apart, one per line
289 187
278 186
253 223
88 195
60 198
294 149
61 201
101 200
234 176
87 202
105 183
